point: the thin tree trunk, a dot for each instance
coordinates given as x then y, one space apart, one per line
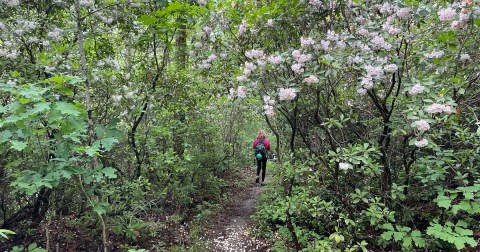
91 133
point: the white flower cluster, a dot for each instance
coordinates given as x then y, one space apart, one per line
306 42
240 92
12 54
447 14
242 28
422 125
416 89
207 63
301 59
380 43
274 60
85 3
56 34
391 68
312 79
434 54
254 54
270 22
287 94
268 107
344 166
422 143
11 3
464 57
439 108
403 12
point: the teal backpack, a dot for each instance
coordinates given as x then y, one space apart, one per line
260 150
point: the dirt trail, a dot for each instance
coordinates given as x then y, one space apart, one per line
231 233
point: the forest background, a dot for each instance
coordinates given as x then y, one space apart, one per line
122 121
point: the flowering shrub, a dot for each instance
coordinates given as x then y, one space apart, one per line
400 77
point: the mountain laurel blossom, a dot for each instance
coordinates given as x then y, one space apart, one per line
416 89
422 143
392 68
269 111
274 60
287 94
270 22
254 54
211 58
434 54
268 100
446 14
306 42
85 3
12 3
242 78
375 71
367 82
422 125
297 68
242 92
361 91
344 166
311 79
464 57
439 108
232 94
403 12
242 28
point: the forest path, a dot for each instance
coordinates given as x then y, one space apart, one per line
231 231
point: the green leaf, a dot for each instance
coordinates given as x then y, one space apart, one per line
407 242
67 108
32 246
387 235
443 201
17 145
419 242
5 136
147 20
109 172
24 100
446 36
388 226
397 236
99 210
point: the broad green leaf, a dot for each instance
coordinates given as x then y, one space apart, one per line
99 209
387 235
443 201
407 242
397 236
388 226
23 100
17 145
109 172
67 108
419 242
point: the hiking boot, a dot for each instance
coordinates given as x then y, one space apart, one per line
257 180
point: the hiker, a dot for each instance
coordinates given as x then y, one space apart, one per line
261 145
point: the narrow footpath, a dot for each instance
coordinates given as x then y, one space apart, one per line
231 232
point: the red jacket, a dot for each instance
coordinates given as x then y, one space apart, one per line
266 143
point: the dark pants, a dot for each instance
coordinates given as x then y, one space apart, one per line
262 165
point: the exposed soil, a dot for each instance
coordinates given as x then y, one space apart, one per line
231 229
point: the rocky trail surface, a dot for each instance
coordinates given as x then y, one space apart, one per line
231 232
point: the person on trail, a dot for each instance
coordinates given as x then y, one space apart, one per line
261 145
